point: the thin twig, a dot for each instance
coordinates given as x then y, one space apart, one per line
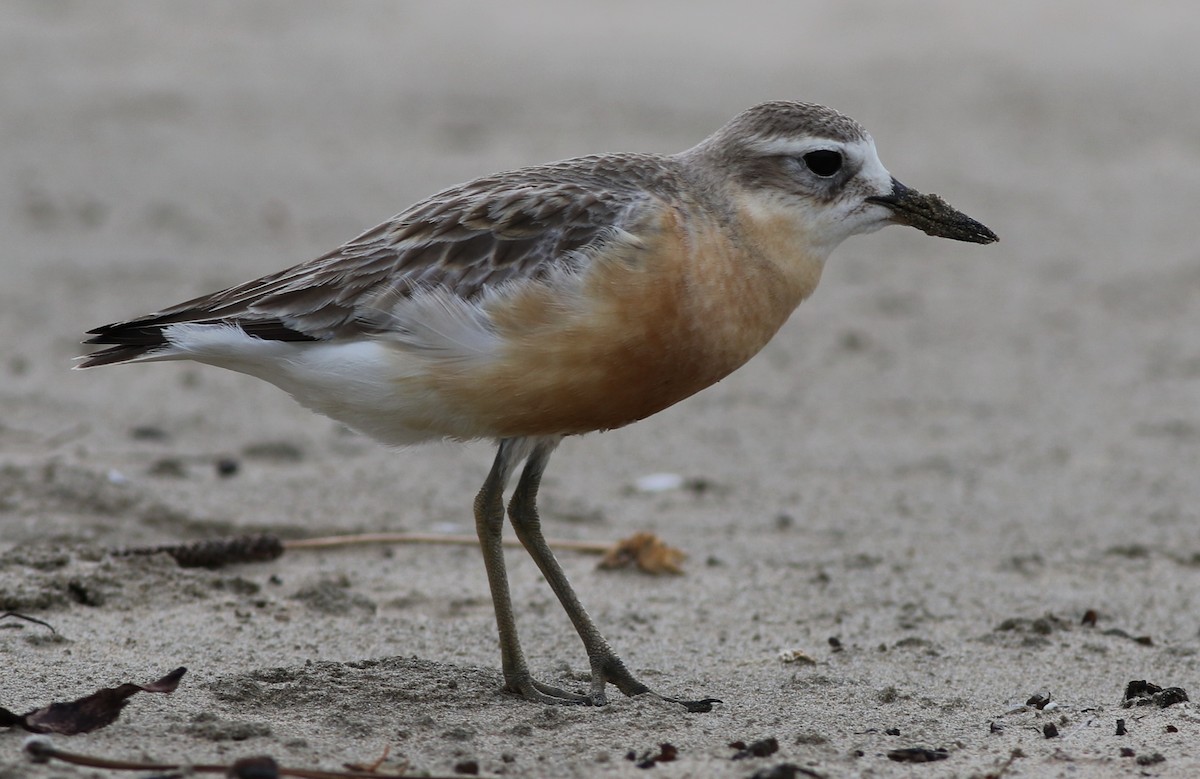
29 619
41 750
592 547
645 550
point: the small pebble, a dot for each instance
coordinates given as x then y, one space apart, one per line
658 482
1039 701
274 451
148 433
797 656
171 467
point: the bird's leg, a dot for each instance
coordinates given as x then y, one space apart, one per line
489 522
606 666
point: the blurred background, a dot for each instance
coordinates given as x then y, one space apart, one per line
150 152
945 439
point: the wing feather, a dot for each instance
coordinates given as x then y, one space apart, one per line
518 225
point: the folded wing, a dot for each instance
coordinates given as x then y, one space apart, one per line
461 242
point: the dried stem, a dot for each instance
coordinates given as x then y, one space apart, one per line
40 750
593 547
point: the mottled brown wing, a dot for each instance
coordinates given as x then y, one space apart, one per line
517 225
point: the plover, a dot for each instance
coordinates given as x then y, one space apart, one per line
554 300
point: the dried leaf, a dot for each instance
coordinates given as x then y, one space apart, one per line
1143 693
647 551
666 754
96 711
762 748
797 656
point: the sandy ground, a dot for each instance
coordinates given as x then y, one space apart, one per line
949 455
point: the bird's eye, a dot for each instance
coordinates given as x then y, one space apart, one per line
823 162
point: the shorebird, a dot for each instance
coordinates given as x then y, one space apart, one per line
550 301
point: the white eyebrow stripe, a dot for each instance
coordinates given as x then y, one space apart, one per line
791 147
798 147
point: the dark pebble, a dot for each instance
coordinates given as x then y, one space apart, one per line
1169 697
917 755
148 433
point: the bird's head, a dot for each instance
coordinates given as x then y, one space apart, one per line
821 168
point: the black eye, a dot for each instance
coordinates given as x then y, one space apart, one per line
823 162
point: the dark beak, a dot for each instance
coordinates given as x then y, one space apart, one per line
932 215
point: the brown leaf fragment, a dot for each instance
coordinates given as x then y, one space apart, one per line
666 754
1143 693
1169 697
96 711
1039 700
796 656
647 551
761 748
1140 688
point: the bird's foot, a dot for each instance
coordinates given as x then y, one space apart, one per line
609 669
532 690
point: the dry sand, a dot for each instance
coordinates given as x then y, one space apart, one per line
949 455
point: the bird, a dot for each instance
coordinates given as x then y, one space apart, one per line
552 301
